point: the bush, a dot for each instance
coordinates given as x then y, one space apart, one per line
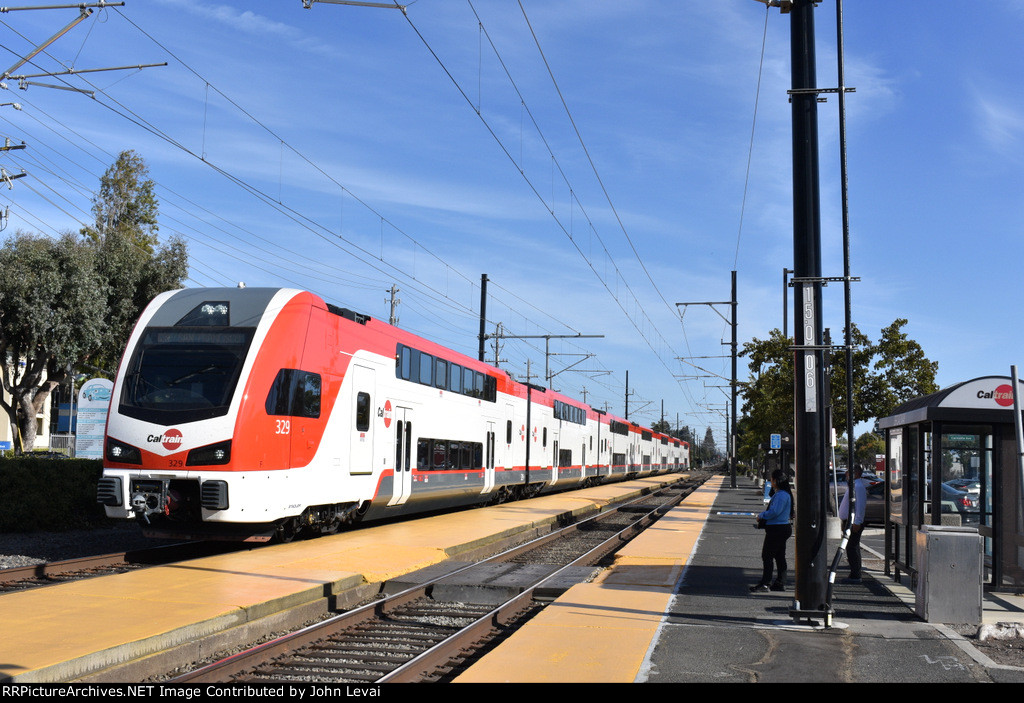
49 494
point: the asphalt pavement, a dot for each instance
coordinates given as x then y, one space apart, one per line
716 630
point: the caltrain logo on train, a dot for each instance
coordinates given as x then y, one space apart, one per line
171 439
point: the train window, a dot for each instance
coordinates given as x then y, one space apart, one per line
455 379
404 365
478 385
426 369
564 457
440 455
295 393
544 438
441 373
508 432
423 454
362 412
467 382
478 455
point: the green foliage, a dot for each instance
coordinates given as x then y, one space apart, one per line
867 446
661 427
52 308
73 300
129 261
49 494
885 375
126 206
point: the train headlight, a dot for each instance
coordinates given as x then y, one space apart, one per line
122 453
210 455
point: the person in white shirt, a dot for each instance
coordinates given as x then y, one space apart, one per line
860 493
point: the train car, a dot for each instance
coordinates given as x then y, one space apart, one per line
252 413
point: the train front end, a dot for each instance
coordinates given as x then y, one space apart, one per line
172 459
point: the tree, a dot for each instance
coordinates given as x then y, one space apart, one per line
868 445
885 374
661 427
708 451
126 204
74 300
52 308
135 268
903 371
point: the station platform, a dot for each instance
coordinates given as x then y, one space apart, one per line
676 607
77 630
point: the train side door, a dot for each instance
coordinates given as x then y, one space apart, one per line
489 477
363 392
402 488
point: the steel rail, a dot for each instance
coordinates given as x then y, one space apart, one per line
442 652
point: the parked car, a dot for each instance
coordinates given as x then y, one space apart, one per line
970 485
965 503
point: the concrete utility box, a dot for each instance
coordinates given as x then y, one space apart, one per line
949 587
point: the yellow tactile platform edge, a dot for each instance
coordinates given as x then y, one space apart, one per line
600 632
65 631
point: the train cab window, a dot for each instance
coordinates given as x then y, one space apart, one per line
362 412
295 393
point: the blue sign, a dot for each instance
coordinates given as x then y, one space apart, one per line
776 441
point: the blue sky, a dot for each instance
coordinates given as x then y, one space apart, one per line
600 161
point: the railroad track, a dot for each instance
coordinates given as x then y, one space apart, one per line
427 631
20 578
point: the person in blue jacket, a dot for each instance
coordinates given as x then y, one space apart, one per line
777 531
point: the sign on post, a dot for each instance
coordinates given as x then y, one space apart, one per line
93 404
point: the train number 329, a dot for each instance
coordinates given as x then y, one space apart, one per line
283 427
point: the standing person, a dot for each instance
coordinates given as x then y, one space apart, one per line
777 531
860 494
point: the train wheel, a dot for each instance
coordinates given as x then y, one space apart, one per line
287 530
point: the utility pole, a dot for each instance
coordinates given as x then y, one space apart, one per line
392 317
729 440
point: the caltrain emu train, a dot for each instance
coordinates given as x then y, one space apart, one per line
253 413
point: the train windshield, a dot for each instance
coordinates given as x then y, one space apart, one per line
183 374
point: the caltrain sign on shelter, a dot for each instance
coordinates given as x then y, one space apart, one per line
983 393
985 399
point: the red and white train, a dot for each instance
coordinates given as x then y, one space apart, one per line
255 412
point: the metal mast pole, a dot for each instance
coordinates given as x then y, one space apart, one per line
810 440
483 317
732 438
846 252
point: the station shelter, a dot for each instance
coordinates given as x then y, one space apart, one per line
951 459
